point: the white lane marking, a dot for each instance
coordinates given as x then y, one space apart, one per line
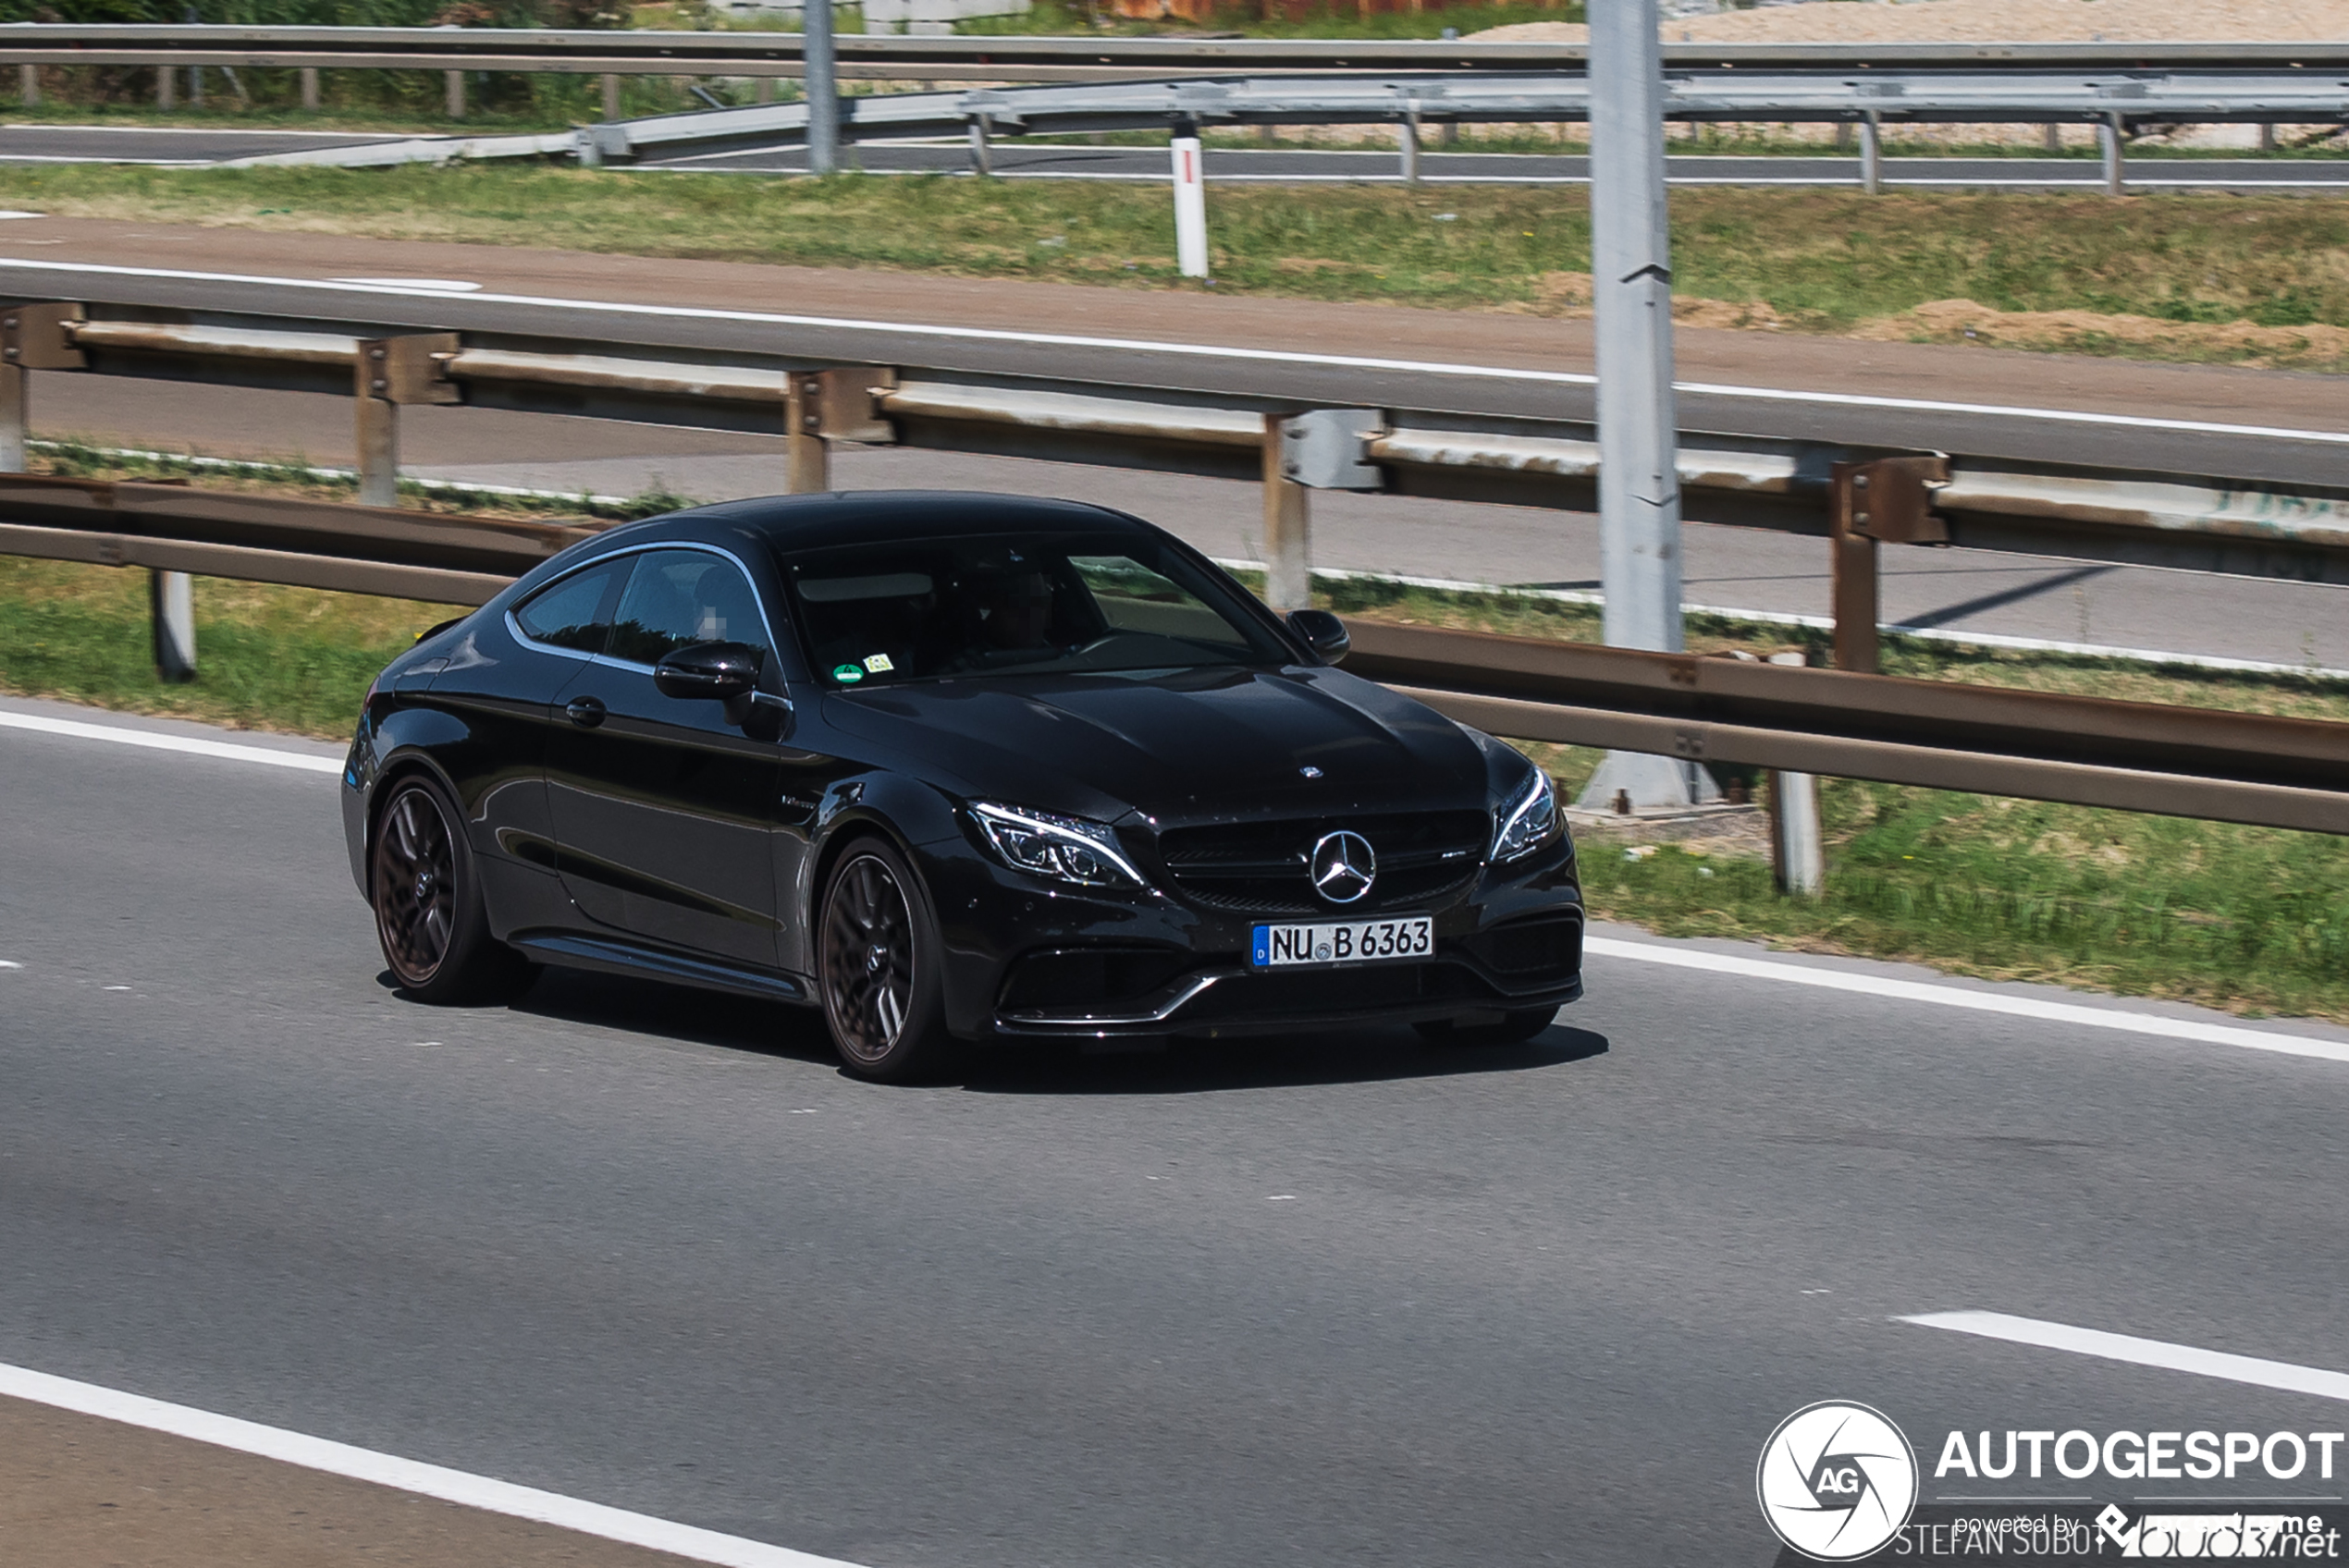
1203 350
9 963
226 751
406 1474
2284 1375
434 285
1979 1001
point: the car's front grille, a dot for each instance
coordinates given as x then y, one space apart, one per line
1263 868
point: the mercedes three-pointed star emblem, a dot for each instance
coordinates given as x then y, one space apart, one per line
1342 866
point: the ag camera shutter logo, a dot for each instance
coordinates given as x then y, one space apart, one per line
1836 1480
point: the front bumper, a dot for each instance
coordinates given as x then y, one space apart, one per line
1029 958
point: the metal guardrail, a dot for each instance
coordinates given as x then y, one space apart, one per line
1003 58
2136 757
2084 751
2188 521
2237 768
2119 103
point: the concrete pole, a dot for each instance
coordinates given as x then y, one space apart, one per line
1288 550
1631 296
1631 287
171 606
823 91
310 88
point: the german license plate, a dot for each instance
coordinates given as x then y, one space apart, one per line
1352 942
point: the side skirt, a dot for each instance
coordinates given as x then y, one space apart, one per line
611 957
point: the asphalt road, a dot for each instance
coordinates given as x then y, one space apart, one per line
22 143
1302 1303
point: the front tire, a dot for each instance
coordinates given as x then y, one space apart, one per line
430 918
878 963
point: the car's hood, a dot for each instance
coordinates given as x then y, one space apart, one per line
1187 746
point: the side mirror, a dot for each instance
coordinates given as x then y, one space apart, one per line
1322 631
722 671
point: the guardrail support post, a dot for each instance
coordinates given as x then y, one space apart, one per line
2268 137
1852 569
1289 547
1890 500
1871 154
28 85
387 371
15 391
167 85
807 458
1798 855
611 96
310 88
455 83
2108 141
33 338
171 607
1406 144
981 163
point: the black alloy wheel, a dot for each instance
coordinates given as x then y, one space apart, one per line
878 966
429 915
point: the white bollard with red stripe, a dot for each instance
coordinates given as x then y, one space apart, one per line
1190 203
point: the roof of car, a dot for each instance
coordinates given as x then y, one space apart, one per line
872 517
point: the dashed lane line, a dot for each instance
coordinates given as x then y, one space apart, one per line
2285 1375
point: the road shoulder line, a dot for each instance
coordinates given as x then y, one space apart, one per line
404 1474
2288 1376
1979 1001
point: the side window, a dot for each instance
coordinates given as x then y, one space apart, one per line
676 598
576 612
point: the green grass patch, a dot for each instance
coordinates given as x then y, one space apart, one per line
1823 261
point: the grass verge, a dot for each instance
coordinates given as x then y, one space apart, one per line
2254 920
2253 279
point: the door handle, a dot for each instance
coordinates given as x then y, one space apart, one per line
585 712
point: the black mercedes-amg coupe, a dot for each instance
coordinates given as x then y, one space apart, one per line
953 768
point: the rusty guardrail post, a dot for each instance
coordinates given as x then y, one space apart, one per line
824 406
1288 547
386 372
1890 501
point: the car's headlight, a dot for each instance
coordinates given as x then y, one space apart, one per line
1526 821
1062 847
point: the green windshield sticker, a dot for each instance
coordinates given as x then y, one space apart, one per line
847 674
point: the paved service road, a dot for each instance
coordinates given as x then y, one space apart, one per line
1299 1303
158 144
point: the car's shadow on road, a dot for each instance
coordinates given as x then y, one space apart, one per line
704 1018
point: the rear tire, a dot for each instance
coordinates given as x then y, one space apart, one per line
430 918
1515 1028
877 965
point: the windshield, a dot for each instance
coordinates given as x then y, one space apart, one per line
922 609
